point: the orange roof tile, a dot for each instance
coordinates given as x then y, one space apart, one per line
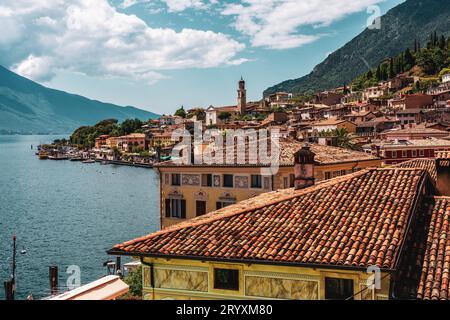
352 221
434 280
427 164
287 148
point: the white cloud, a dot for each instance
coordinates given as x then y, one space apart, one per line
38 68
276 24
92 38
172 5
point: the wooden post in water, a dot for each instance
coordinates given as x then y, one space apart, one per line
9 295
53 273
118 262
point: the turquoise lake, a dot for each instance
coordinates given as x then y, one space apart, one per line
67 213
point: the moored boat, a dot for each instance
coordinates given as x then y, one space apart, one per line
43 155
89 161
58 157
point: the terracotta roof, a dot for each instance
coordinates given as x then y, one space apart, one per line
442 154
352 221
434 280
287 148
328 122
427 164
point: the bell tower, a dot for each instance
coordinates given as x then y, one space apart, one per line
242 97
304 167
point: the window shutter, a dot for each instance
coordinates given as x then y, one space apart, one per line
167 208
183 209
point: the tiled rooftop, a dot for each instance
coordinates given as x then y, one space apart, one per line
434 280
288 147
354 221
427 164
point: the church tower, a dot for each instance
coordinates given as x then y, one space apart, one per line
242 97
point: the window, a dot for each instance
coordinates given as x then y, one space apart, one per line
327 175
338 289
223 204
421 153
176 208
176 179
394 154
285 183
227 279
404 153
256 181
207 180
414 153
292 180
200 207
228 180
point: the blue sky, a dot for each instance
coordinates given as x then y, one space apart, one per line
161 54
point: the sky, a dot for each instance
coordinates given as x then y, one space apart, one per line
161 54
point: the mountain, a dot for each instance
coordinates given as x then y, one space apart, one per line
28 107
400 26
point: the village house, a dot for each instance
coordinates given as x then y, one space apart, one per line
101 141
398 151
374 93
315 241
190 190
409 116
411 101
413 132
364 107
327 98
360 116
132 142
336 111
279 97
332 124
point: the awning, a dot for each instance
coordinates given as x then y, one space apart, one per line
106 288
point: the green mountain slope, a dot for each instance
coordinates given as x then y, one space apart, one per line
413 19
28 107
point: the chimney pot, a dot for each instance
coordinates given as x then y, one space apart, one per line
304 167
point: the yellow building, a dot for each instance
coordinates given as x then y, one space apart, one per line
351 237
187 191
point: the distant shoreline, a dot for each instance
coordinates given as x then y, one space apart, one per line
34 134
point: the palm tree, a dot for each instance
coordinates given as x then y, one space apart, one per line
344 139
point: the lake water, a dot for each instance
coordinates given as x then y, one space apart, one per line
67 213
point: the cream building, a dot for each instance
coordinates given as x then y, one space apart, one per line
188 191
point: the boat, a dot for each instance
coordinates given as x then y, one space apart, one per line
89 161
76 159
43 155
104 162
58 157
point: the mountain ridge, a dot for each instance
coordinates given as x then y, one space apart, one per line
400 26
29 107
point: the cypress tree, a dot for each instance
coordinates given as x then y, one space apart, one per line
442 43
391 69
409 61
378 74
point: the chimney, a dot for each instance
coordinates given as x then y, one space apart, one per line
304 167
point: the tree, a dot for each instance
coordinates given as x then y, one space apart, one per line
180 112
344 139
199 113
409 60
130 126
134 280
225 116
